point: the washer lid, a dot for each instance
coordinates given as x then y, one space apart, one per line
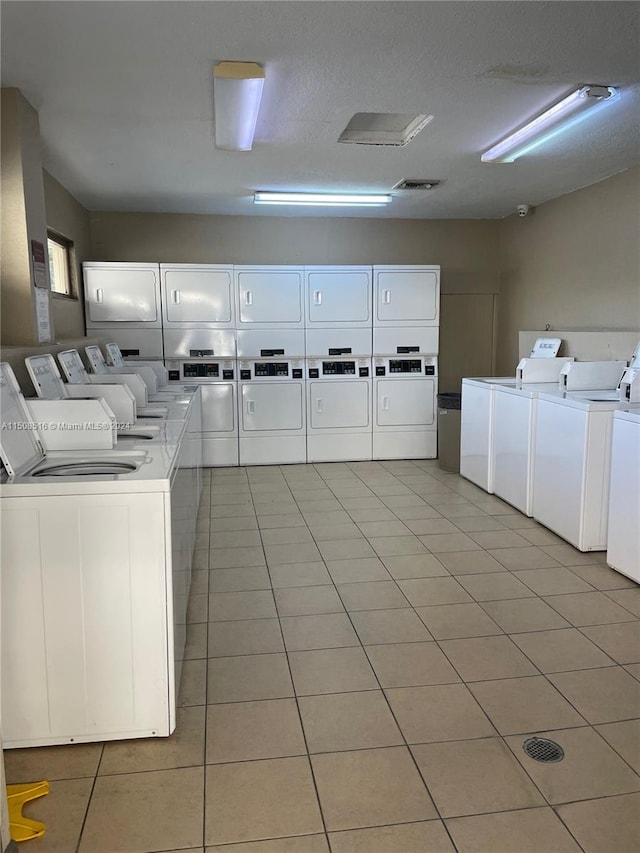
20 448
45 376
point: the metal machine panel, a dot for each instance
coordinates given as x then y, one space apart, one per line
199 343
269 296
338 342
476 434
122 293
623 545
197 295
270 343
134 343
218 407
514 434
406 295
338 297
405 340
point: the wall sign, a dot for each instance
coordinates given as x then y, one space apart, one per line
39 264
43 321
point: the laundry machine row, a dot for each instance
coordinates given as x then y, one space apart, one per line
96 569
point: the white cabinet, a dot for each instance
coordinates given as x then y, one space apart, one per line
406 295
118 293
269 297
338 297
197 295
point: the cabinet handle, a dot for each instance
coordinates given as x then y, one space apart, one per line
248 298
99 295
319 406
387 297
385 404
317 297
175 297
251 407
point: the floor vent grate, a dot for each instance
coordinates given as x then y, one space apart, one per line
542 749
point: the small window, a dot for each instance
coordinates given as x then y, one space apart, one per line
60 253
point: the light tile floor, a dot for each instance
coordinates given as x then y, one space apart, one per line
369 646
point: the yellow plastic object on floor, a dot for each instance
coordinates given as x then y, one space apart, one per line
23 828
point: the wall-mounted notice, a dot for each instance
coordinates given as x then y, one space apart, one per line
42 316
39 265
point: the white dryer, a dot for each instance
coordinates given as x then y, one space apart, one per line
123 302
197 296
572 467
269 297
404 402
271 411
339 410
623 544
406 295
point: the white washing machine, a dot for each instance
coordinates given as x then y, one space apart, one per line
123 302
623 543
115 359
477 418
217 379
405 423
92 631
572 467
271 411
339 410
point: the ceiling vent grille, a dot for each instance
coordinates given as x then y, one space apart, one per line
416 184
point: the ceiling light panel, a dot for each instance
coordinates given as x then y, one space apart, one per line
559 118
237 91
322 199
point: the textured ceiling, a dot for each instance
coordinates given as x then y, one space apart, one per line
124 92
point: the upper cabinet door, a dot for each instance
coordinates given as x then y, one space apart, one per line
338 297
406 295
197 295
269 296
122 293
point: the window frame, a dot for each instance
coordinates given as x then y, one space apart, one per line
69 250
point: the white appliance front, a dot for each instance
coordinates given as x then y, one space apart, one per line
269 297
199 343
197 295
321 343
217 380
572 467
406 295
271 412
122 293
405 340
339 410
405 424
338 297
623 545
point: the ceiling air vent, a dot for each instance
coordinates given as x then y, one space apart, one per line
416 184
393 129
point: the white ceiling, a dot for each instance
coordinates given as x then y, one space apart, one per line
124 92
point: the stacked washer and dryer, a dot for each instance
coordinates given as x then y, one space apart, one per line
334 363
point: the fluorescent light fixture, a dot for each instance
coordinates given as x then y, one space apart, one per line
563 115
322 199
237 91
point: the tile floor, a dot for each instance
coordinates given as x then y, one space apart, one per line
369 646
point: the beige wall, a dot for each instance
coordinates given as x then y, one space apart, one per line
572 264
467 251
71 220
23 216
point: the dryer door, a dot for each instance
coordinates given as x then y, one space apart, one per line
218 407
198 295
407 296
130 295
339 405
268 406
405 402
